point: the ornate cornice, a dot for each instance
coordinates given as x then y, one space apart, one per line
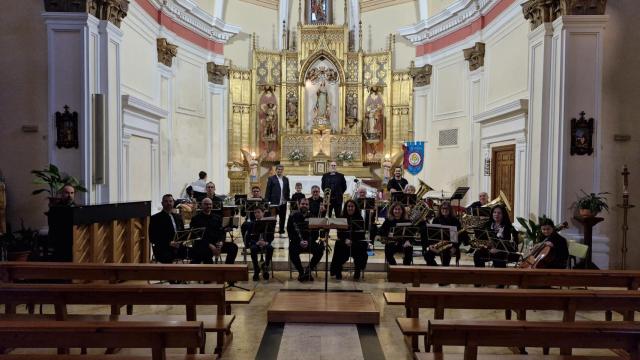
581 7
216 73
189 15
538 12
475 56
421 75
166 51
542 11
460 13
110 10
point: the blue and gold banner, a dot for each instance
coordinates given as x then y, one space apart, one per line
414 156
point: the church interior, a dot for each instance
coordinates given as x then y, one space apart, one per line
270 163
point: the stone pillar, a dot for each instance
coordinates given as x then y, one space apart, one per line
576 86
83 45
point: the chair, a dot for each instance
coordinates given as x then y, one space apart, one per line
576 250
291 265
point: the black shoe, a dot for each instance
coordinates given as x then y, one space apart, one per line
265 275
307 275
301 277
338 275
356 275
443 284
256 277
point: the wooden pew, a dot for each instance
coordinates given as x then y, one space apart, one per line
522 278
32 271
567 301
61 295
157 336
586 334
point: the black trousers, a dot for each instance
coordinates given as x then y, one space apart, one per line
201 254
393 247
316 249
342 252
282 214
335 206
482 255
268 254
430 257
167 255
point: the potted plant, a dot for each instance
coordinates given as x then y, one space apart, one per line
589 205
532 232
54 180
18 246
296 156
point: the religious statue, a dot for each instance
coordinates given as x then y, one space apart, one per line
253 170
270 122
292 111
318 13
321 110
374 116
386 170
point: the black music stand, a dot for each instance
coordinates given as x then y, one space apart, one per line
327 224
293 206
481 211
187 237
459 194
366 203
407 231
404 199
499 244
240 200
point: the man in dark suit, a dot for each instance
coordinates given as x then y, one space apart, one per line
338 185
162 228
278 193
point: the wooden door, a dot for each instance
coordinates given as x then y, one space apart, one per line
503 171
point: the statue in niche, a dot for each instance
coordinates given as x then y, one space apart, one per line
292 111
321 110
268 115
374 116
318 11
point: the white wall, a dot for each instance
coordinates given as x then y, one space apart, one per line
251 19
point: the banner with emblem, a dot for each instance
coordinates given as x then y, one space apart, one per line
413 156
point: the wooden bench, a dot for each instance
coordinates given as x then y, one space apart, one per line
522 278
442 356
585 334
568 301
11 272
61 295
157 336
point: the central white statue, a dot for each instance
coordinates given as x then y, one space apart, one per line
321 111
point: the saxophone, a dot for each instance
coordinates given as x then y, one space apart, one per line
441 246
326 201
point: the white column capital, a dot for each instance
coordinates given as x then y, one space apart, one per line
580 22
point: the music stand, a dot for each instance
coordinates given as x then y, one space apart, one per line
327 224
437 232
366 203
459 194
481 211
240 200
406 231
293 206
187 237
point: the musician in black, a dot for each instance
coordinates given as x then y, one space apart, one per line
396 215
212 243
559 254
211 193
504 241
301 240
483 199
445 217
397 183
162 229
316 202
350 243
258 243
336 182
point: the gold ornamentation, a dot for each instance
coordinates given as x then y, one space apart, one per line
110 10
166 51
421 75
216 73
475 56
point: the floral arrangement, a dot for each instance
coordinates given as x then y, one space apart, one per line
296 155
345 155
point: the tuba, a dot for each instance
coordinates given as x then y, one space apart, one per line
500 200
423 189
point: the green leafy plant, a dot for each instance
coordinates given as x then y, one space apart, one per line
594 202
532 231
54 180
25 239
345 155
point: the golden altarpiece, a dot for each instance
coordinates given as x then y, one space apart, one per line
320 99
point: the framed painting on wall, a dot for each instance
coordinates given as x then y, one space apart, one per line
319 12
320 167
